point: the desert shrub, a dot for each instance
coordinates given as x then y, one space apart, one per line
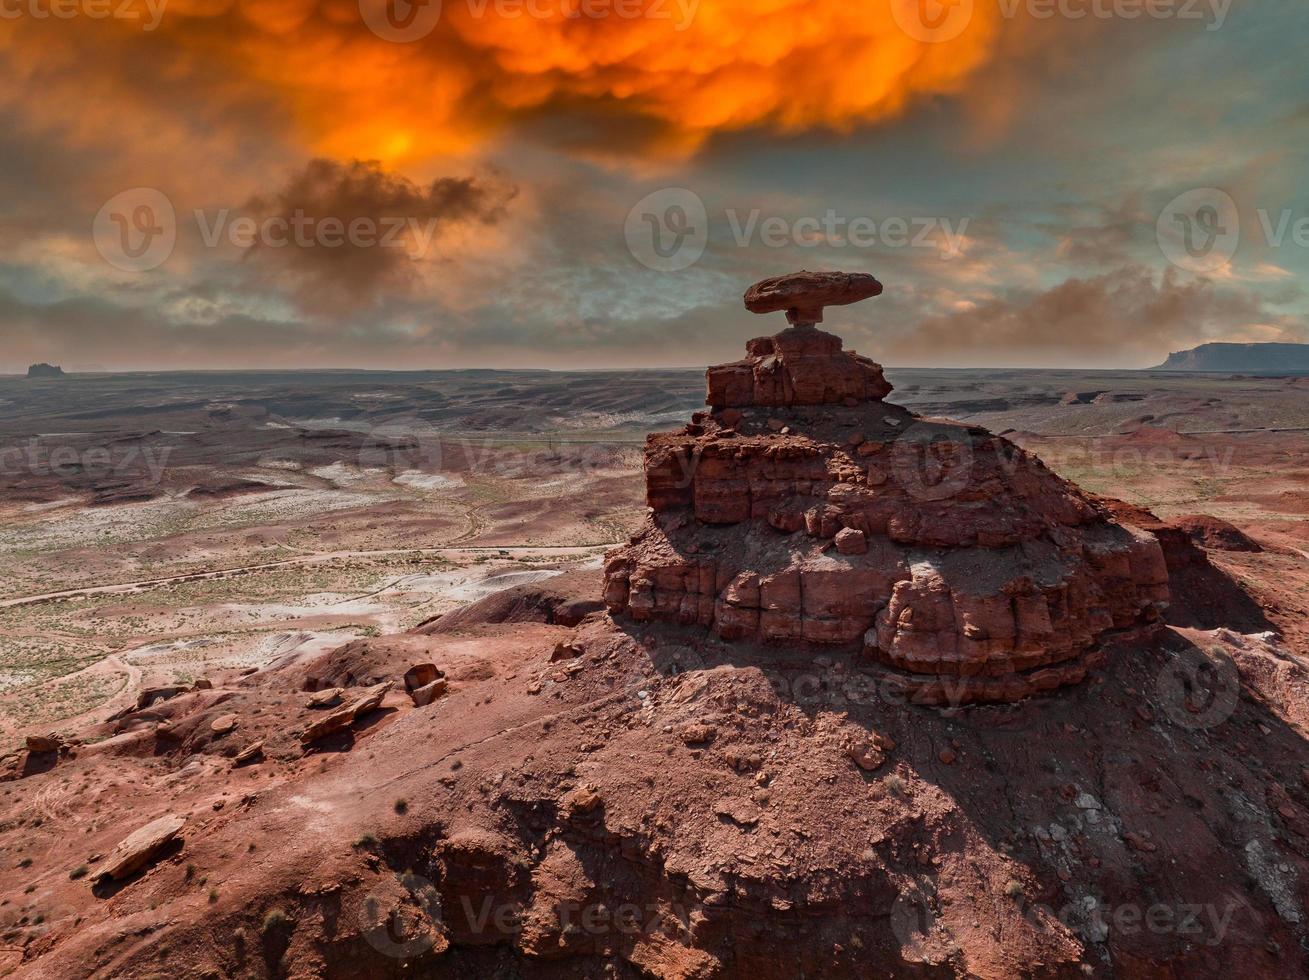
275 919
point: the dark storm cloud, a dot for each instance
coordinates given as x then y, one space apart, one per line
1061 154
340 235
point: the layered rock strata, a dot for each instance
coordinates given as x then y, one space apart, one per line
802 509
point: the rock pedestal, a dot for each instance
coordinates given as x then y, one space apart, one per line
804 510
799 366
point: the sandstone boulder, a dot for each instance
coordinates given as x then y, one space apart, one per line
44 743
338 721
428 693
325 699
342 718
850 541
420 675
140 848
802 295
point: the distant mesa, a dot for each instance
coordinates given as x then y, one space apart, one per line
45 371
1241 358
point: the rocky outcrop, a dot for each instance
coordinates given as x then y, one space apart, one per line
44 370
1216 534
790 515
342 718
44 743
151 696
140 848
802 365
799 366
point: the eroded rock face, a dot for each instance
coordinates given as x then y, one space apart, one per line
799 366
790 515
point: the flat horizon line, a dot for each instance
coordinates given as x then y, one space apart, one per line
22 375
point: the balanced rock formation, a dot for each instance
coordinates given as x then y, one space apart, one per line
803 509
800 366
804 294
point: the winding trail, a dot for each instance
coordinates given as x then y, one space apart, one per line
113 665
318 558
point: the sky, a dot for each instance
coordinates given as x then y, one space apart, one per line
594 183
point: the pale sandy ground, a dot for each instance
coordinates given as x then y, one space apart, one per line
100 601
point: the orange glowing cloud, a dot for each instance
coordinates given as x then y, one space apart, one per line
678 71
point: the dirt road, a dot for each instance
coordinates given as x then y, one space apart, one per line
313 558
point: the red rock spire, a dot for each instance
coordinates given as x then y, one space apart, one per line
801 365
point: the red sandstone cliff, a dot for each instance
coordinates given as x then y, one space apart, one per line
802 509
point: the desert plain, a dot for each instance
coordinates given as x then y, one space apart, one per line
157 527
167 533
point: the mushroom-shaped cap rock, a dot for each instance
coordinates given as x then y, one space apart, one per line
804 294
